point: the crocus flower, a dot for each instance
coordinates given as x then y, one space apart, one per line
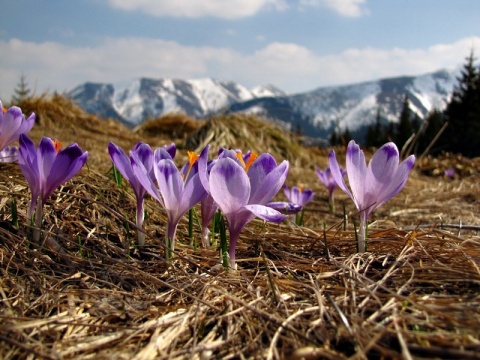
300 196
12 124
450 172
371 186
46 168
9 154
242 187
178 190
326 178
123 164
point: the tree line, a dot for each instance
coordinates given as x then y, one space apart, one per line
455 129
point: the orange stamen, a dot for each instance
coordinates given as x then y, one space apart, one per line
57 144
4 110
192 159
250 160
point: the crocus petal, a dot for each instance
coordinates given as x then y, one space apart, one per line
27 160
399 180
270 185
337 175
66 165
356 171
144 178
170 184
46 153
124 165
121 162
203 169
145 154
306 196
263 165
266 213
380 174
285 207
160 154
229 185
193 193
171 150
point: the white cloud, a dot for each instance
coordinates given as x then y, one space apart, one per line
348 8
51 66
198 8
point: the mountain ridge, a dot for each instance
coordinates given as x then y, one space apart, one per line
315 113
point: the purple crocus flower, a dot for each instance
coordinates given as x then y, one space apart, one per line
450 172
123 164
326 178
46 168
298 195
9 154
178 190
242 189
371 186
12 124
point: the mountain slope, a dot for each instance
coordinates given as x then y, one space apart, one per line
141 99
315 113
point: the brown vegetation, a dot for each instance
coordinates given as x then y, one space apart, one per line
88 292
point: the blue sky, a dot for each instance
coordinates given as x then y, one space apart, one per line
296 45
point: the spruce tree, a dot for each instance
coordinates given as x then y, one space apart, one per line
404 129
463 112
21 91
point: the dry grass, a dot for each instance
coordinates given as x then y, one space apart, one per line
87 292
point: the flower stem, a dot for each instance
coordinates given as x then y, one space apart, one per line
231 251
331 203
362 232
170 239
38 221
140 218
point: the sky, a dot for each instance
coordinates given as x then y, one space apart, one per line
295 45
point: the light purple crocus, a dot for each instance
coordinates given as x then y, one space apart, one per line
123 164
298 195
178 190
450 172
242 189
12 124
45 169
9 154
371 186
326 178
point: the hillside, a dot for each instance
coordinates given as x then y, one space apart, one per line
301 292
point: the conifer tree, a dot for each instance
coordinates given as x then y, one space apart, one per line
463 112
404 129
21 92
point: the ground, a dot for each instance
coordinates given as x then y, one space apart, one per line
87 291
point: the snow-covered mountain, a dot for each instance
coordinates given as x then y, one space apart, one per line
137 101
316 113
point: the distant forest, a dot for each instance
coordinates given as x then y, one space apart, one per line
455 129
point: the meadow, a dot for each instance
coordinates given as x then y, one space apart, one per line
87 291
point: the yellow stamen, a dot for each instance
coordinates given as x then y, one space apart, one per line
4 110
300 187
